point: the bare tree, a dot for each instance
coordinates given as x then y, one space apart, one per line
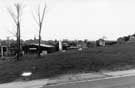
39 20
16 16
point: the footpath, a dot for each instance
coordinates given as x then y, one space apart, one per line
64 79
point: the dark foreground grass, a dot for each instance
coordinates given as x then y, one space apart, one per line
93 59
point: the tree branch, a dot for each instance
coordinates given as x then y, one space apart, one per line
39 15
43 14
12 15
35 18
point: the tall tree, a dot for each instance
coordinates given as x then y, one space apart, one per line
39 18
16 16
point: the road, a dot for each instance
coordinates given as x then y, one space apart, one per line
120 82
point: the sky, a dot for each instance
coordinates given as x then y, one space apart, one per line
71 19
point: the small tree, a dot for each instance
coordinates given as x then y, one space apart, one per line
16 16
39 20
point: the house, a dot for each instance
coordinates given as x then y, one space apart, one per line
82 45
131 39
33 48
110 42
100 42
3 50
120 40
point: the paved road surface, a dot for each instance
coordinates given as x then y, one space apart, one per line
122 82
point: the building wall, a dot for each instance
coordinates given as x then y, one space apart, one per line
33 49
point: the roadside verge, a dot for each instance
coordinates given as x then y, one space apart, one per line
69 78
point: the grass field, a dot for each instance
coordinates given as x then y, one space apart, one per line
116 57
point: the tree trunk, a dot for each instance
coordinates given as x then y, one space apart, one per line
39 49
39 42
18 41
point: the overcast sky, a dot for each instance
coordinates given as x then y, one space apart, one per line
72 19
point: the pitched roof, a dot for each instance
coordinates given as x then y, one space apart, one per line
43 45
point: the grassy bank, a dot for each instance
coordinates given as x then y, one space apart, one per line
73 61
